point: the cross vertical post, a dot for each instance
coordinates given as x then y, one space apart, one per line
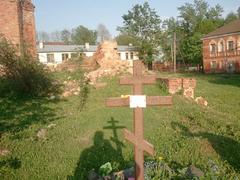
137 137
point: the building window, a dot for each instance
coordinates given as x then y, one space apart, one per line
127 56
50 58
230 45
74 55
221 47
213 65
64 57
131 55
119 55
213 48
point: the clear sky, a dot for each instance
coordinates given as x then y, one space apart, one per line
52 15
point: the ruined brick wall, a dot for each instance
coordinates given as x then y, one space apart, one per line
9 20
28 25
222 58
175 85
17 23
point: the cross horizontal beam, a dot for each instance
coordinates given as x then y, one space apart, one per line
146 79
141 143
151 101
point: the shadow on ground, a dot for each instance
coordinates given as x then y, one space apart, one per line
18 113
226 79
226 147
100 153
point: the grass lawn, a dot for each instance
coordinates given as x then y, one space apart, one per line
186 133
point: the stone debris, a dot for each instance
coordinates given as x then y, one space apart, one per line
201 101
92 175
193 171
99 85
109 62
71 87
189 85
4 152
125 174
51 125
42 134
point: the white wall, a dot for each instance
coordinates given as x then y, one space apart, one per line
89 54
123 55
42 57
58 56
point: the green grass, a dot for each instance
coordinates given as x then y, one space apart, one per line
183 134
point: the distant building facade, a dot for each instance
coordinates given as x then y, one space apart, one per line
17 23
221 49
55 53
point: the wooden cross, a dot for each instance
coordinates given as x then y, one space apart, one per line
137 138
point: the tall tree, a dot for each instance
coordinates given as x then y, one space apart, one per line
231 17
66 36
197 19
124 39
103 33
192 15
82 35
143 23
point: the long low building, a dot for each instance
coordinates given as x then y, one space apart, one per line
56 53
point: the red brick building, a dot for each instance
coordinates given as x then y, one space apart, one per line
221 49
17 23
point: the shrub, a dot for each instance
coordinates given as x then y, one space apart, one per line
23 73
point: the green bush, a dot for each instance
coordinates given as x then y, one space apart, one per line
23 73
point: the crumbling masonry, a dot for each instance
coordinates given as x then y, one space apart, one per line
17 23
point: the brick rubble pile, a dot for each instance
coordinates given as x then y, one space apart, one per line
109 62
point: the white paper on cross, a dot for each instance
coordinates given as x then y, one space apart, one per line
138 101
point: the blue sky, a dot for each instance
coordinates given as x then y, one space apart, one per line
54 15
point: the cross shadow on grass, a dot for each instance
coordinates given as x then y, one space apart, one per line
226 147
100 153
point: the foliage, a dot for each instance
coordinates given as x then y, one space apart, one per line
82 35
143 24
182 134
103 33
193 14
124 39
83 82
105 169
191 49
195 20
24 74
66 36
231 17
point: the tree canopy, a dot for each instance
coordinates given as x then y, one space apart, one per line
143 24
82 35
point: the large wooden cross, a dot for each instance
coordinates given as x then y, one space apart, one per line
137 137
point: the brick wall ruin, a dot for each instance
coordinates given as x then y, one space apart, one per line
17 23
175 85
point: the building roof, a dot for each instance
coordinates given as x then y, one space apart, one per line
233 27
77 48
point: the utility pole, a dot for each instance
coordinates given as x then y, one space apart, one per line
174 52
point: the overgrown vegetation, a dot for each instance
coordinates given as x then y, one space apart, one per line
23 74
184 134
